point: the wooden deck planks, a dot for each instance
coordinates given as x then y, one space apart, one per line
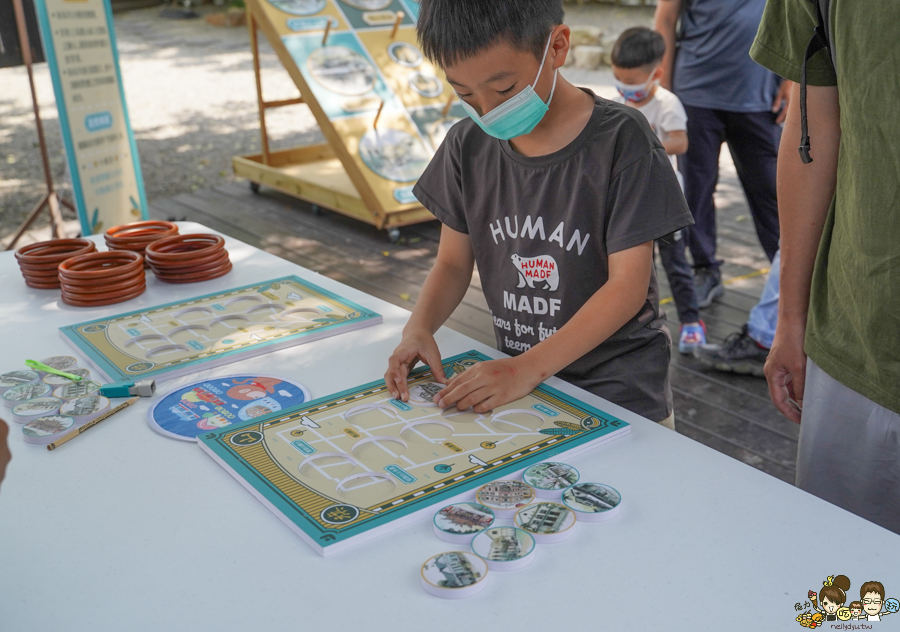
729 413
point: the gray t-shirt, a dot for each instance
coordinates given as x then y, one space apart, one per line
542 230
713 68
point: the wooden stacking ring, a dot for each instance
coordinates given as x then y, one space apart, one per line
39 262
102 278
188 258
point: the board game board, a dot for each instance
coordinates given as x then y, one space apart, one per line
207 331
343 469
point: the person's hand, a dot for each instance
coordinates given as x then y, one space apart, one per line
782 99
414 348
5 456
490 384
786 370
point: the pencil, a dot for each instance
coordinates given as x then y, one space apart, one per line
92 423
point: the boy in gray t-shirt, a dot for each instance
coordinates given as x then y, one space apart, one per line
558 196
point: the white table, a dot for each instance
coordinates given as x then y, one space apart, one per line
123 529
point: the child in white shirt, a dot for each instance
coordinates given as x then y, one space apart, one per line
636 65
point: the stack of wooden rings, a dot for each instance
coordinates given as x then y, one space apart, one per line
102 278
188 258
39 262
136 236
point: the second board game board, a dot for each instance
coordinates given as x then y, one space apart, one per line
343 469
200 333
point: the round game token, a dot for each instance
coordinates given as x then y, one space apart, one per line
24 392
549 523
75 390
550 479
189 411
60 363
58 380
454 575
84 409
47 429
505 497
593 502
422 394
33 408
17 378
405 54
425 84
460 522
505 548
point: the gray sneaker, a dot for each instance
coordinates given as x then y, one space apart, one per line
738 353
708 285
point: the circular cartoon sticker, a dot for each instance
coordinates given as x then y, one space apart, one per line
44 429
342 70
425 85
58 380
17 378
422 394
201 407
405 54
299 7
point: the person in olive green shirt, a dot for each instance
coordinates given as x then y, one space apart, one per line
836 354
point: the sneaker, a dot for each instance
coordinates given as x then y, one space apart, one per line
739 353
692 336
708 285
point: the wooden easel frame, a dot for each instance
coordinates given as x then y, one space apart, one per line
301 171
51 199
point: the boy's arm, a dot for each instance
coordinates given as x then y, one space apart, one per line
805 193
442 292
665 21
490 384
677 143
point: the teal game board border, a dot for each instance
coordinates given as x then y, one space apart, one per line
72 333
322 537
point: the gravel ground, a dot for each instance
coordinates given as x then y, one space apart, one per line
192 103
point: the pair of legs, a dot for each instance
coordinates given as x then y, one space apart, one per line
746 351
753 139
849 452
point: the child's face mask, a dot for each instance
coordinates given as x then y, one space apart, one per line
639 92
518 115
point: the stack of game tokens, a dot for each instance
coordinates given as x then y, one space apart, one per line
47 429
188 258
136 236
497 545
102 278
17 378
40 262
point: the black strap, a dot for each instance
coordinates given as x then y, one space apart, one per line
818 42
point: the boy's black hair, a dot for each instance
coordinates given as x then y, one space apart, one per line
637 47
451 31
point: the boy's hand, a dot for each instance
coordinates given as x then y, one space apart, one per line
414 348
488 385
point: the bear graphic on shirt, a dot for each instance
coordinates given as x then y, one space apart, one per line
541 269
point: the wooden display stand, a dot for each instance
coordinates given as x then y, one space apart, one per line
327 174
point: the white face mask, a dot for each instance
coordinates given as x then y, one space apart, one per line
518 115
637 92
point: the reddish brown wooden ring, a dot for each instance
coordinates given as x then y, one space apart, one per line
54 251
145 231
103 296
42 286
102 281
96 293
44 274
109 301
204 263
101 264
106 287
185 247
214 274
